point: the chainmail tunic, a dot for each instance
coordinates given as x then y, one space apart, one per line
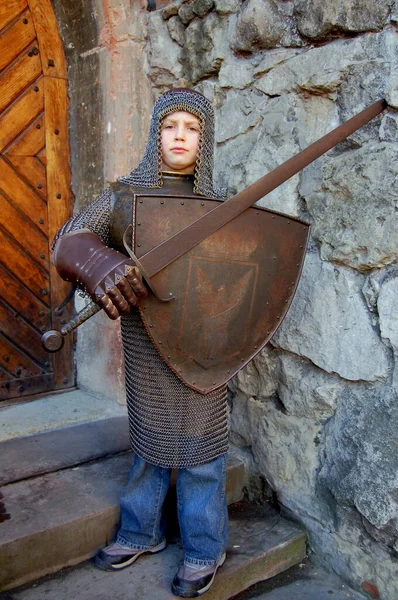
171 425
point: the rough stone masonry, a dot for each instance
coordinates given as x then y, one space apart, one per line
315 415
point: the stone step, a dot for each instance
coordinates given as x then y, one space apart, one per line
262 545
61 519
49 451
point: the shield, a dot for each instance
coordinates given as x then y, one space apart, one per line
230 292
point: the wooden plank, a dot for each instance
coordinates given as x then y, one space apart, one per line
31 141
27 338
16 38
50 44
59 209
21 114
15 80
22 195
18 388
4 377
33 171
16 363
21 299
42 156
9 10
24 268
24 232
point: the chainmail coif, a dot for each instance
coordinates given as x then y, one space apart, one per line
149 171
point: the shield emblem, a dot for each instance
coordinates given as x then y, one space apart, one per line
230 292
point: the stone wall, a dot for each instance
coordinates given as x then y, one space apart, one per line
315 414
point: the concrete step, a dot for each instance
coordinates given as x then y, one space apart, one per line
262 544
61 519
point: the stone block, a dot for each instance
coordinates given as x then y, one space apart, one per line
165 54
328 323
386 305
227 6
176 30
320 20
389 128
260 24
206 46
171 9
186 14
202 7
357 453
354 212
235 73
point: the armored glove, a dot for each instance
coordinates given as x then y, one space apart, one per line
112 280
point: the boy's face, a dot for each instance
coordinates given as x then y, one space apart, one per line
180 141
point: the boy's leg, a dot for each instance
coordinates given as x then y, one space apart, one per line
203 519
142 526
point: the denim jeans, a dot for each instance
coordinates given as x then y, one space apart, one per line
201 504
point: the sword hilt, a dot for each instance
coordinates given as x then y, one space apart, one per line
53 341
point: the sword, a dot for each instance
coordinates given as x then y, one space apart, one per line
165 253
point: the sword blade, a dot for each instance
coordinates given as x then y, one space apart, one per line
165 253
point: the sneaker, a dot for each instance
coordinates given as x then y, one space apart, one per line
192 581
116 556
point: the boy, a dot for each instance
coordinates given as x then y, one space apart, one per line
171 425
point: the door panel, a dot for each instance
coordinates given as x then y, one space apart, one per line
35 197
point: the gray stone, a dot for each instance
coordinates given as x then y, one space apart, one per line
284 450
306 391
321 20
364 83
227 6
317 71
176 30
259 378
356 453
164 54
329 324
357 184
239 113
394 12
235 73
186 14
264 146
389 128
386 304
350 552
391 94
273 58
202 7
260 25
371 289
172 9
206 46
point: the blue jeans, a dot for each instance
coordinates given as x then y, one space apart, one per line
201 504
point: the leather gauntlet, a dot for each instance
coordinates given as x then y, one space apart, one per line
112 280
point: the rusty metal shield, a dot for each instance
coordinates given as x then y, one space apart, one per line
230 292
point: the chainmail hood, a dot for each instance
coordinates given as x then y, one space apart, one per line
149 171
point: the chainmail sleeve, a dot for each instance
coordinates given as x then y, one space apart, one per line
95 216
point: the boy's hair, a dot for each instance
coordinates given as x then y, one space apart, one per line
149 171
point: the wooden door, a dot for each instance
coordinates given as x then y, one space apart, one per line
35 197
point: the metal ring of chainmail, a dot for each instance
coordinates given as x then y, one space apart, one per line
170 424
